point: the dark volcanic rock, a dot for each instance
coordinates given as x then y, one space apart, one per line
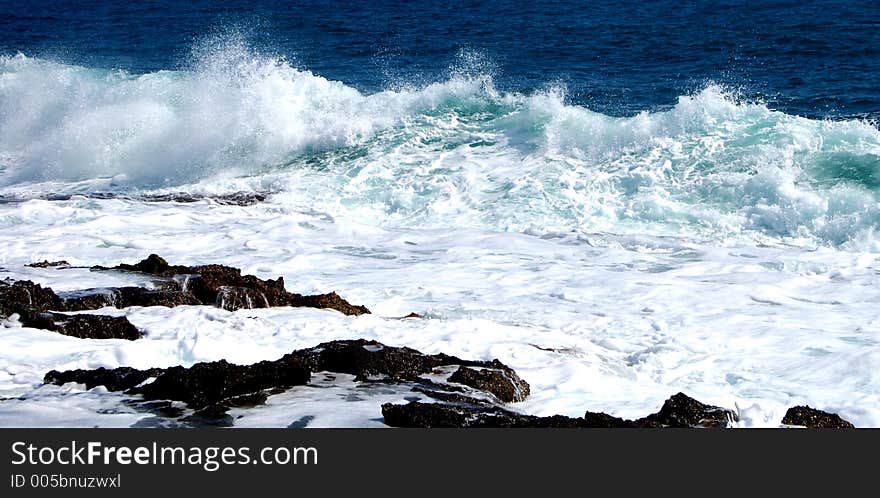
139 296
48 264
205 384
123 297
365 359
25 296
235 298
33 304
683 411
226 287
814 419
417 414
154 265
331 301
499 380
456 410
236 199
82 326
116 379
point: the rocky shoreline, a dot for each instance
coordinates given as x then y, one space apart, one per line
476 394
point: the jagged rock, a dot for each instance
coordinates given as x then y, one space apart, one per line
236 198
814 419
48 264
364 359
139 296
235 298
25 296
683 411
226 287
498 379
211 388
204 384
416 414
82 326
116 379
456 410
331 301
123 297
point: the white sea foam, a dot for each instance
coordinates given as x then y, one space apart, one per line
606 322
718 247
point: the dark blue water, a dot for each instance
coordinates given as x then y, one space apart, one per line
816 59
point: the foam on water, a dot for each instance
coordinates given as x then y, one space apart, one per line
453 153
717 247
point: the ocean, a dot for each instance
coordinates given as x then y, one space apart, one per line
619 201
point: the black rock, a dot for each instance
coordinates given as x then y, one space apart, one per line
116 379
416 414
683 411
329 301
205 384
364 359
82 326
123 297
25 296
455 410
814 419
499 380
48 264
226 287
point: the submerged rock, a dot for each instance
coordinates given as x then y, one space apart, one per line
814 419
498 379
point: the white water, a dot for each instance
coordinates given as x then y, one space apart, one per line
717 248
632 319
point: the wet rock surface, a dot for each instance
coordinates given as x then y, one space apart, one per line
114 379
82 326
225 287
213 285
211 388
814 419
49 264
683 411
34 304
365 359
498 379
124 297
206 384
468 399
417 414
231 199
25 296
461 411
